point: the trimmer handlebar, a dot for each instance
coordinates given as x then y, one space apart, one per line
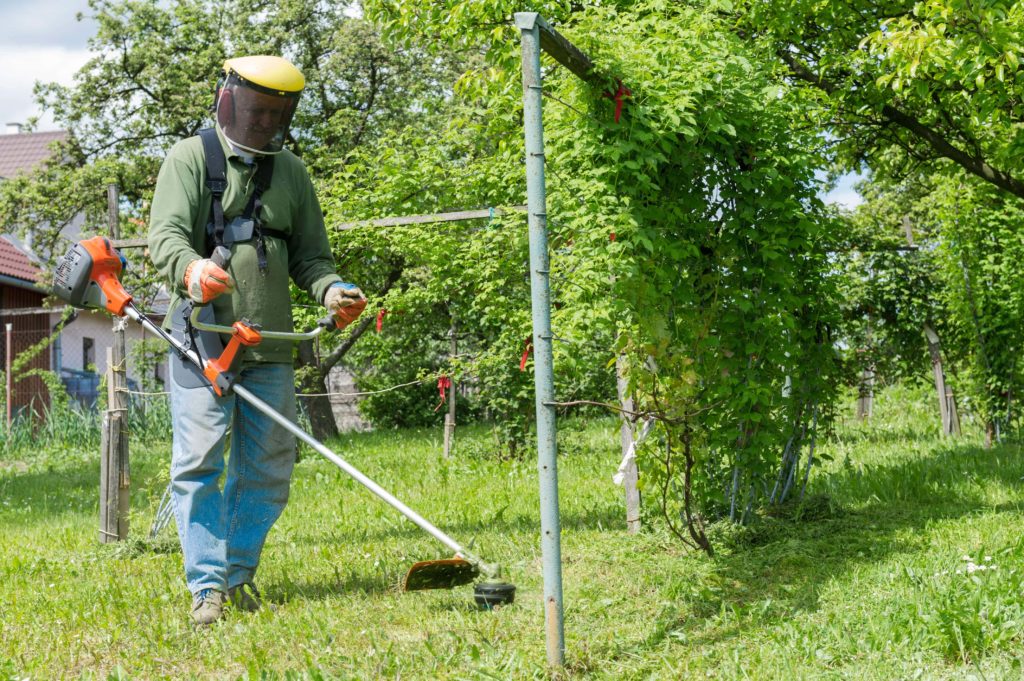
325 324
221 258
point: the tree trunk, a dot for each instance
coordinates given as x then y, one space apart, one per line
947 401
866 394
313 382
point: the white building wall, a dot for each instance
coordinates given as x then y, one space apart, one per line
341 384
99 327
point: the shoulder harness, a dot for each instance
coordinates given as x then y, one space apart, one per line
248 225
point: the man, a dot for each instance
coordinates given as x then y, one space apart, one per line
237 187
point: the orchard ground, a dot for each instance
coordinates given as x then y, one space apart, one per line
904 561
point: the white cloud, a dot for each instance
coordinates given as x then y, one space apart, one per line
23 67
39 41
44 23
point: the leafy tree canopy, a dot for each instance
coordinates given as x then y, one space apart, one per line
931 80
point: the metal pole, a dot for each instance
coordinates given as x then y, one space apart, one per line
8 352
529 24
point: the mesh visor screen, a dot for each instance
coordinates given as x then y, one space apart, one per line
255 119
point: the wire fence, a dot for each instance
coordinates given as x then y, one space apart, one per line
59 389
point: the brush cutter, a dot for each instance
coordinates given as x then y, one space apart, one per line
88 277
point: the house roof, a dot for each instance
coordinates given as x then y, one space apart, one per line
20 152
14 263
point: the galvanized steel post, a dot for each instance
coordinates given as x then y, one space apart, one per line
529 24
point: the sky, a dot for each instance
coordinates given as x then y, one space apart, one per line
39 40
844 194
43 41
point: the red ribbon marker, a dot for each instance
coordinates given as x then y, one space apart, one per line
380 319
618 96
526 354
443 383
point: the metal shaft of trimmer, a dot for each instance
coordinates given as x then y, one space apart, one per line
357 475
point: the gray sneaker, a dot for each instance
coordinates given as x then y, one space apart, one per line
245 597
207 607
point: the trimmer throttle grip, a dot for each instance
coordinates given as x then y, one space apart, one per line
328 323
221 256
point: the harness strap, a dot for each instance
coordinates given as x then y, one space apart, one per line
264 174
216 181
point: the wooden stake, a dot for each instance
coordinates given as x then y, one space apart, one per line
115 480
449 418
866 393
632 474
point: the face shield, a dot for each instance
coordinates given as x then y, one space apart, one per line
253 117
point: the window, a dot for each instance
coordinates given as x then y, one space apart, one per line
88 354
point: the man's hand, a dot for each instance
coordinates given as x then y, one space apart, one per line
205 280
345 302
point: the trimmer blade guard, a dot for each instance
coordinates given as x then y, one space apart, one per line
439 574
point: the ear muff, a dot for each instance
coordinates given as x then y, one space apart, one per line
216 93
225 108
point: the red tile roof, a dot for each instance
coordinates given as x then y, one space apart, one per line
14 263
21 152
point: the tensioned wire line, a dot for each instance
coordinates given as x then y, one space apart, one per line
328 394
370 392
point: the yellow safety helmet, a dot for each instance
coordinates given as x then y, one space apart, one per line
256 101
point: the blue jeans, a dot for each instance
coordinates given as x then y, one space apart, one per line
222 531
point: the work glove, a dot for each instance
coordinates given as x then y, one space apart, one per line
205 280
345 302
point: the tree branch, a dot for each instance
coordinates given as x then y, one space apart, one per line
974 164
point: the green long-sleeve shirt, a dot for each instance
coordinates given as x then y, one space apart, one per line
177 236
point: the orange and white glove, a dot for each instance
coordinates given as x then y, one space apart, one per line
345 302
205 280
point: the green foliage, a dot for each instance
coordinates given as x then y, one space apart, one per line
889 291
473 274
964 56
981 253
722 292
905 82
687 237
960 281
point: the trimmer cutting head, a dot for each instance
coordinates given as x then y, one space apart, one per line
452 572
493 592
440 574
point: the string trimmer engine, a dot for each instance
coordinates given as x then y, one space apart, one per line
88 276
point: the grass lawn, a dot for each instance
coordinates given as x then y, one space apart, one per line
905 563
